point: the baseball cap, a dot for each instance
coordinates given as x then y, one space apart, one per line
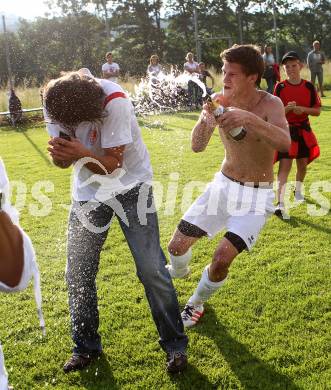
291 55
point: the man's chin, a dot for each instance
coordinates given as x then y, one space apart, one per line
228 93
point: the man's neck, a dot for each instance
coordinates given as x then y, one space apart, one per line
246 100
294 80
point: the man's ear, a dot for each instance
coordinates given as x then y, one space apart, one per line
252 78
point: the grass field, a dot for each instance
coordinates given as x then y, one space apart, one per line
268 328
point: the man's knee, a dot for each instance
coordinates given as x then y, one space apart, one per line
225 254
177 248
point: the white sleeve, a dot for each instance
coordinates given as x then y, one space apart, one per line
104 67
53 128
116 127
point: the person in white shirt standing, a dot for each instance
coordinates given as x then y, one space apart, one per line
110 69
315 62
191 67
93 126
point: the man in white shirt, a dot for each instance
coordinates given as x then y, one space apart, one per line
110 69
315 62
112 173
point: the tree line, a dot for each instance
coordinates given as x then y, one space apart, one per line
136 29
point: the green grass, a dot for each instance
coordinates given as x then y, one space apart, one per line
268 328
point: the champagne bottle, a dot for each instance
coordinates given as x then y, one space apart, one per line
236 133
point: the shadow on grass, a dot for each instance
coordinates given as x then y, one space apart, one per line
320 227
326 108
99 376
252 372
36 148
191 378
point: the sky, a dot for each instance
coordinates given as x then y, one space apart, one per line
27 9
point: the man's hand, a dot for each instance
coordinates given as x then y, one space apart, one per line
66 151
233 118
290 106
299 110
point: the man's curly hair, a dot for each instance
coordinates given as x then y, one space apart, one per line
74 98
248 56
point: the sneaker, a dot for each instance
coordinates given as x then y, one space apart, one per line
176 362
178 273
78 362
192 314
280 212
299 197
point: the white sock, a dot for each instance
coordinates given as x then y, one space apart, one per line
298 187
205 289
179 263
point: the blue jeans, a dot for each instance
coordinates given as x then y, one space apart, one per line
271 84
142 236
193 93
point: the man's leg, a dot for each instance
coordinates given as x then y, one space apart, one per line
285 165
270 84
84 248
190 88
300 177
180 251
144 243
320 82
312 77
213 277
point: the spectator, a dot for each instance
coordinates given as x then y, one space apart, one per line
191 67
203 74
110 69
315 61
154 67
300 100
269 68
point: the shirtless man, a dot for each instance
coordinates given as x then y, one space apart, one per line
240 198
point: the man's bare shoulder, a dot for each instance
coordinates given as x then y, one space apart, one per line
269 101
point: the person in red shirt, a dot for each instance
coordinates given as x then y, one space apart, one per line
300 100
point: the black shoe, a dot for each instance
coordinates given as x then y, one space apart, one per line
176 362
280 212
78 362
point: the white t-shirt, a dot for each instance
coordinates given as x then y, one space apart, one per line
119 127
269 59
111 67
153 70
193 66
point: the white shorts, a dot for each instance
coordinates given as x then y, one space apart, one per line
241 209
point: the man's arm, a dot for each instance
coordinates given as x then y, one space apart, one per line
68 151
309 59
274 130
61 164
314 111
110 73
11 252
202 131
